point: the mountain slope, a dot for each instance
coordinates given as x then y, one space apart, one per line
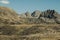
8 15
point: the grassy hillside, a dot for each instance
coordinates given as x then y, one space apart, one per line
30 32
35 26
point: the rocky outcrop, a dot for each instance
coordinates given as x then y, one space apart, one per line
28 15
50 16
25 15
36 13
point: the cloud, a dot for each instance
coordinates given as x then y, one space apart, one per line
4 2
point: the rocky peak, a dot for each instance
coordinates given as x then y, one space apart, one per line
36 13
48 14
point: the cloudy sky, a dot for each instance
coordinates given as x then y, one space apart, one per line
31 5
4 1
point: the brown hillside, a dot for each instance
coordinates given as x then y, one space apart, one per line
8 15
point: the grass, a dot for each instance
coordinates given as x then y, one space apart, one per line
30 32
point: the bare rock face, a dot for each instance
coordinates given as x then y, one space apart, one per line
8 15
50 16
36 13
28 15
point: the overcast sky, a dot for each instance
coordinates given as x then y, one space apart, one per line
31 5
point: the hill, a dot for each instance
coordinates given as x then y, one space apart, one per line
8 16
37 25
